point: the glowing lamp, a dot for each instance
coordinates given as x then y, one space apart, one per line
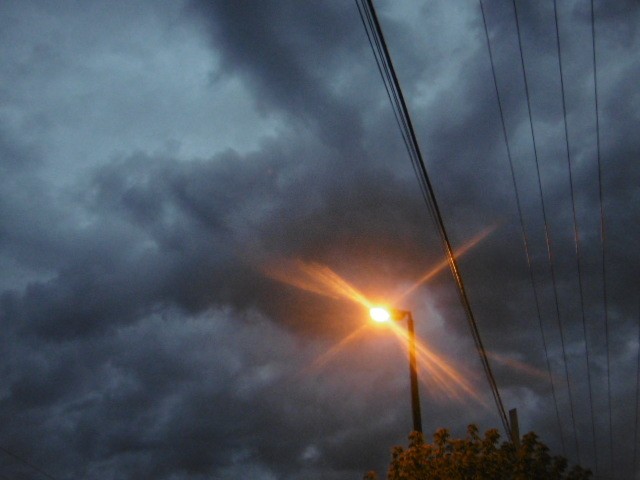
379 314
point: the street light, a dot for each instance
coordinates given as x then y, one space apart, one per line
381 315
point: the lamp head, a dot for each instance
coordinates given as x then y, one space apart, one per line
384 314
380 314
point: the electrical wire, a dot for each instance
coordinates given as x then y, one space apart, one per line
546 231
525 239
382 62
603 236
391 94
402 119
576 237
423 178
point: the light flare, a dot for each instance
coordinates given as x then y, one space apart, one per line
434 370
518 365
330 354
316 278
322 280
429 274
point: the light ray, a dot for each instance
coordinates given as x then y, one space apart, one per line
435 370
315 278
519 366
330 354
444 263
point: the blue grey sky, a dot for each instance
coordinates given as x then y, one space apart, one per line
176 177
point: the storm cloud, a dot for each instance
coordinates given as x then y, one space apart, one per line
165 166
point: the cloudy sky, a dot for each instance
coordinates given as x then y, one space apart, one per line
187 189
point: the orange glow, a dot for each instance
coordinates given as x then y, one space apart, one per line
316 278
440 376
322 280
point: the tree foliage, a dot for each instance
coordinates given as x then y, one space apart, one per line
477 458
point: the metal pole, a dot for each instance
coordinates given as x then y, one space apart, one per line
413 373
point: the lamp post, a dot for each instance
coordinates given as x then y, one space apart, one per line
381 315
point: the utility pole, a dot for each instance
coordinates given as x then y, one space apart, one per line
515 428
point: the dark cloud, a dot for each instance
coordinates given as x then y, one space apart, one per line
162 165
287 51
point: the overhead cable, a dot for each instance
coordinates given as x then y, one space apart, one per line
374 42
525 239
603 236
547 235
423 178
576 237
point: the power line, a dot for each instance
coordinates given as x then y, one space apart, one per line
523 229
603 236
435 210
383 69
546 231
576 237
